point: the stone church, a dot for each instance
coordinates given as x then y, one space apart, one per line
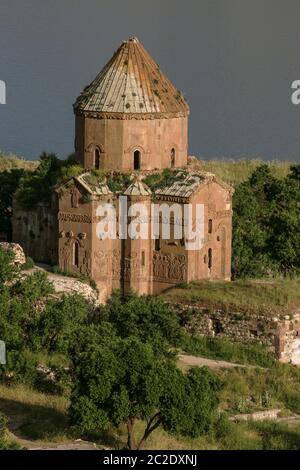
131 119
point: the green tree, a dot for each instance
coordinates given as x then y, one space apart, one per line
147 317
266 223
122 380
37 186
284 242
60 321
8 271
9 181
32 320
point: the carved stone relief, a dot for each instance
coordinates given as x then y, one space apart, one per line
169 267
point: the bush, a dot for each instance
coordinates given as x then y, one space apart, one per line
266 225
29 264
277 436
5 444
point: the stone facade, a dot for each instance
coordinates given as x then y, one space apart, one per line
114 142
139 264
130 118
36 231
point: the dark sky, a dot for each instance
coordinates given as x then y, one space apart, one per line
234 60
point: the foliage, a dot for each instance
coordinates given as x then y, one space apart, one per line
9 181
8 271
238 171
5 444
251 389
118 182
45 418
29 264
164 179
121 380
31 320
223 349
147 317
266 225
10 162
37 186
60 321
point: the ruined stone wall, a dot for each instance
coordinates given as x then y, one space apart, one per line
279 334
36 231
288 339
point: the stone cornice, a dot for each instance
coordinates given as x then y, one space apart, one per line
129 116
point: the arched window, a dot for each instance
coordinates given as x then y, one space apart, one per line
173 154
136 160
76 254
97 159
209 258
210 226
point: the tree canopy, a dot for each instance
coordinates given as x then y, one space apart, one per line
37 186
266 225
123 379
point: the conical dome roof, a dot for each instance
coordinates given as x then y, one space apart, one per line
131 85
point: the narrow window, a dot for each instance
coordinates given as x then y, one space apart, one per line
209 258
97 159
172 158
210 226
157 244
76 254
143 258
137 160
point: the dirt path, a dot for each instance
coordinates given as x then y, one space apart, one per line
78 444
192 361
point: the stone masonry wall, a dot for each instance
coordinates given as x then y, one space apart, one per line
279 334
36 231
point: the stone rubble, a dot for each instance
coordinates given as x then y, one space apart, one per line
20 257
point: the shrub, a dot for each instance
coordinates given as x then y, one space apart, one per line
29 264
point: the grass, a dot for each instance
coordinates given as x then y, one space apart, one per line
279 296
12 162
237 171
223 349
268 435
43 417
45 422
231 171
252 389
